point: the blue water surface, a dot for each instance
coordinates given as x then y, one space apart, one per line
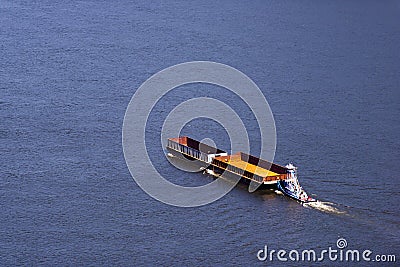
330 71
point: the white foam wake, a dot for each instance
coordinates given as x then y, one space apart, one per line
328 207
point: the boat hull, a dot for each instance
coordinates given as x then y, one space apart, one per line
290 194
185 162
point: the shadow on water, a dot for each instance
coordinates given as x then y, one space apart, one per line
272 194
267 194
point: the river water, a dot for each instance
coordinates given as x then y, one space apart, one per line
330 71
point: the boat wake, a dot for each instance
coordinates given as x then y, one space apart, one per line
327 207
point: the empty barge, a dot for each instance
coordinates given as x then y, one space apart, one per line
215 161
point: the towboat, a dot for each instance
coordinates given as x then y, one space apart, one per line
291 186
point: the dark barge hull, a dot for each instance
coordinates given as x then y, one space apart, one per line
186 161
